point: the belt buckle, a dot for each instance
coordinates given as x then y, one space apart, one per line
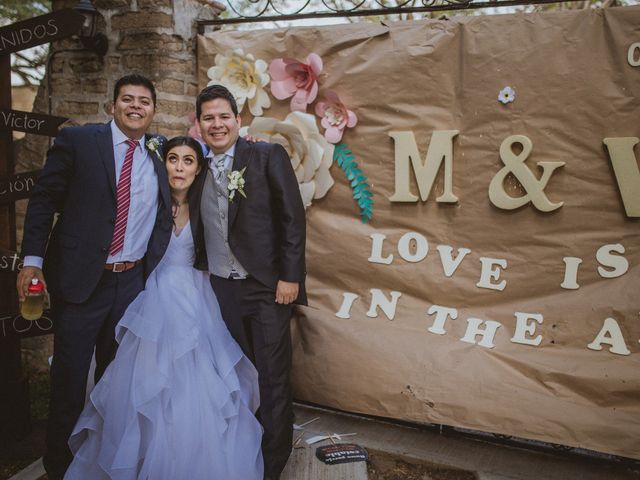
116 267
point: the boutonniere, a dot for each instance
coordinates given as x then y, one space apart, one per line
154 145
236 183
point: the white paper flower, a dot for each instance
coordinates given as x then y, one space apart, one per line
244 76
506 95
311 155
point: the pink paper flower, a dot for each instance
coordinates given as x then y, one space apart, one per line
335 117
290 77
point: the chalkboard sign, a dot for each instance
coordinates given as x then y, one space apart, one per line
30 122
38 30
16 326
17 187
13 38
341 453
10 261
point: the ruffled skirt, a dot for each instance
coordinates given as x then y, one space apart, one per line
178 401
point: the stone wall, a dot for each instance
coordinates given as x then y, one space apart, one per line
153 37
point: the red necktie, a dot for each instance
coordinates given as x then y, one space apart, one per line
123 196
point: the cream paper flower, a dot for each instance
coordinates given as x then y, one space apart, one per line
244 76
311 155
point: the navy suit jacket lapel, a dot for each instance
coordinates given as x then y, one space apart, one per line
241 158
104 141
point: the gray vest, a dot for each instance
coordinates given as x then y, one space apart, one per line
214 209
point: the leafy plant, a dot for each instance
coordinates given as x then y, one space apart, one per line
28 65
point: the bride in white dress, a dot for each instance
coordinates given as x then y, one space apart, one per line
178 400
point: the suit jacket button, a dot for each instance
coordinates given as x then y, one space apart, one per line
105 249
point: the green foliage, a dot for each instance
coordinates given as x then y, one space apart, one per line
26 65
15 10
358 182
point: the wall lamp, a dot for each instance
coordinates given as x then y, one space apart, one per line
91 40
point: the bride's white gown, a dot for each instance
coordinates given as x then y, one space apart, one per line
177 402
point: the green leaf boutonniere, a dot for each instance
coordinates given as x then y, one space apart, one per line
236 183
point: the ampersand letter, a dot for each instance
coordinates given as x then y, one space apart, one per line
515 164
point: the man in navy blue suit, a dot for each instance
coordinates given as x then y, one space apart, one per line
97 224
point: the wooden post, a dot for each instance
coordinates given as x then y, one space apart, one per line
15 419
15 415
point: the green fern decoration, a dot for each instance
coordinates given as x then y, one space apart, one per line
361 192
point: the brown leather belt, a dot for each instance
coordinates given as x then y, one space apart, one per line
119 267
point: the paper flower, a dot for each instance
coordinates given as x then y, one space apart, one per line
244 76
506 95
311 155
290 77
335 117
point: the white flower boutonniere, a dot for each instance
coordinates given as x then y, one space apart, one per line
153 145
236 183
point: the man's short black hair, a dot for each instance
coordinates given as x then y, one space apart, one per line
134 79
211 93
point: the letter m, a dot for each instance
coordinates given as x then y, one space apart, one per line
407 154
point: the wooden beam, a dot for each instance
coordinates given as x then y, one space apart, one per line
15 421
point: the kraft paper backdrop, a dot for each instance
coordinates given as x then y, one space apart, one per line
574 87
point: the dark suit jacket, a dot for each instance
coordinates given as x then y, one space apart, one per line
266 229
78 183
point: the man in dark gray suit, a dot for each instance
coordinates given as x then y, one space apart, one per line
249 228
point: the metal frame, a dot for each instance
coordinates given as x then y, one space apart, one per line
268 11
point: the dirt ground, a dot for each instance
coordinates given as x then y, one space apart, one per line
384 466
17 454
23 452
381 466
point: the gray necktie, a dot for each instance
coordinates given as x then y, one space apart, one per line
217 166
